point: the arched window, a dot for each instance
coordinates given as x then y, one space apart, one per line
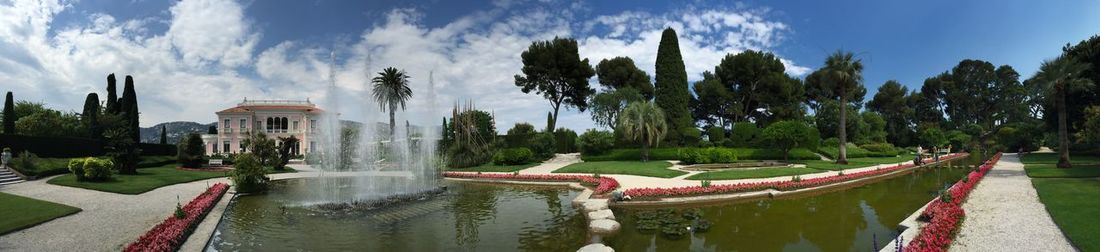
270 124
284 124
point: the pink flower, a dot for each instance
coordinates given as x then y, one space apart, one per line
172 232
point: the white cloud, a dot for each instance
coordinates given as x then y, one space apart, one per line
207 59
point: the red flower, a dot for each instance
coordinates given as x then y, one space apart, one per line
602 184
170 234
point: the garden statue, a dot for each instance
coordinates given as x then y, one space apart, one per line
6 157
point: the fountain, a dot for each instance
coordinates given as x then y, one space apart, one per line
372 164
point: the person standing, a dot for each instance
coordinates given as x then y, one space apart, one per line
919 158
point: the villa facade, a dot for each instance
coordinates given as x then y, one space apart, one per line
275 118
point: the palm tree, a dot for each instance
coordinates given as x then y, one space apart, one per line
391 88
843 73
1055 78
643 122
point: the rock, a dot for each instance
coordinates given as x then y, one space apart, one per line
601 214
594 205
595 247
603 226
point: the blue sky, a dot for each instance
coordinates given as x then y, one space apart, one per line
193 57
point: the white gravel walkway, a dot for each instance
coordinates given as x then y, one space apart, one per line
1003 213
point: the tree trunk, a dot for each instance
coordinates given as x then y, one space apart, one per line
786 153
645 151
842 132
393 134
1063 132
554 121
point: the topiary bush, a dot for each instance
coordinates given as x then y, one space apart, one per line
513 156
565 140
248 174
543 146
26 163
191 151
97 169
691 136
76 167
831 142
596 142
743 134
707 156
716 134
520 135
880 149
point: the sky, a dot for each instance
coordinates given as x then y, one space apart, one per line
192 58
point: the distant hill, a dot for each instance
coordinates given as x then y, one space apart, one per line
176 130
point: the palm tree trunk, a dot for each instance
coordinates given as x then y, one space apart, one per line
1063 132
393 134
645 151
842 158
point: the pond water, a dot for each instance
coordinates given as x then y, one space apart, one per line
468 217
850 219
489 217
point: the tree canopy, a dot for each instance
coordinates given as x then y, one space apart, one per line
672 85
621 72
555 70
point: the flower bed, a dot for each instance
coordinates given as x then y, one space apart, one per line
172 232
652 193
945 216
602 184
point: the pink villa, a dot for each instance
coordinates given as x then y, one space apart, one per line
275 118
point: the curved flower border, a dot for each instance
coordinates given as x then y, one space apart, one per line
945 217
172 232
602 184
655 193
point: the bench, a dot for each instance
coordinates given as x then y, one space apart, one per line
214 162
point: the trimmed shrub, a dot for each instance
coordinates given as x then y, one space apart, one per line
676 154
543 146
716 134
513 156
691 136
880 149
248 174
853 151
191 151
708 156
596 142
97 169
76 167
565 140
743 134
831 142
520 135
26 163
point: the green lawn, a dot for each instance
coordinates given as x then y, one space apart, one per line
1043 165
45 167
494 168
753 173
1052 158
853 162
146 180
649 169
1073 204
21 212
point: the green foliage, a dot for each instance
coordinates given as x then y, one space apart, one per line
743 134
565 140
716 134
520 135
595 142
128 109
830 142
96 169
671 84
286 151
787 135
880 149
828 117
931 136
760 87
543 145
90 116
248 174
853 151
112 98
691 136
876 127
122 149
677 153
472 134
607 105
191 151
644 123
26 162
263 148
659 169
555 70
391 89
707 156
48 122
620 72
513 156
713 103
163 134
9 114
891 102
76 167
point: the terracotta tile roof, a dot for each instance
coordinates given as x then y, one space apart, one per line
252 108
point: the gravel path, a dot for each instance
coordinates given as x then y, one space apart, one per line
1004 214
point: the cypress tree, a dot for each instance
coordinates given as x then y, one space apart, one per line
90 116
163 134
549 122
128 105
672 86
9 115
112 98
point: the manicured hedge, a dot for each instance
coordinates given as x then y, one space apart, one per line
675 154
853 151
72 147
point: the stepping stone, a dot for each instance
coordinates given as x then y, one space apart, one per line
596 247
594 205
603 226
601 214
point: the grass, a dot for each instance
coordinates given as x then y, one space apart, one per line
45 167
21 212
146 180
1043 165
853 162
1073 206
673 153
649 169
754 173
494 168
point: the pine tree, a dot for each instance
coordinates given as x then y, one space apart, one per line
90 116
9 115
163 134
112 98
128 106
672 86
